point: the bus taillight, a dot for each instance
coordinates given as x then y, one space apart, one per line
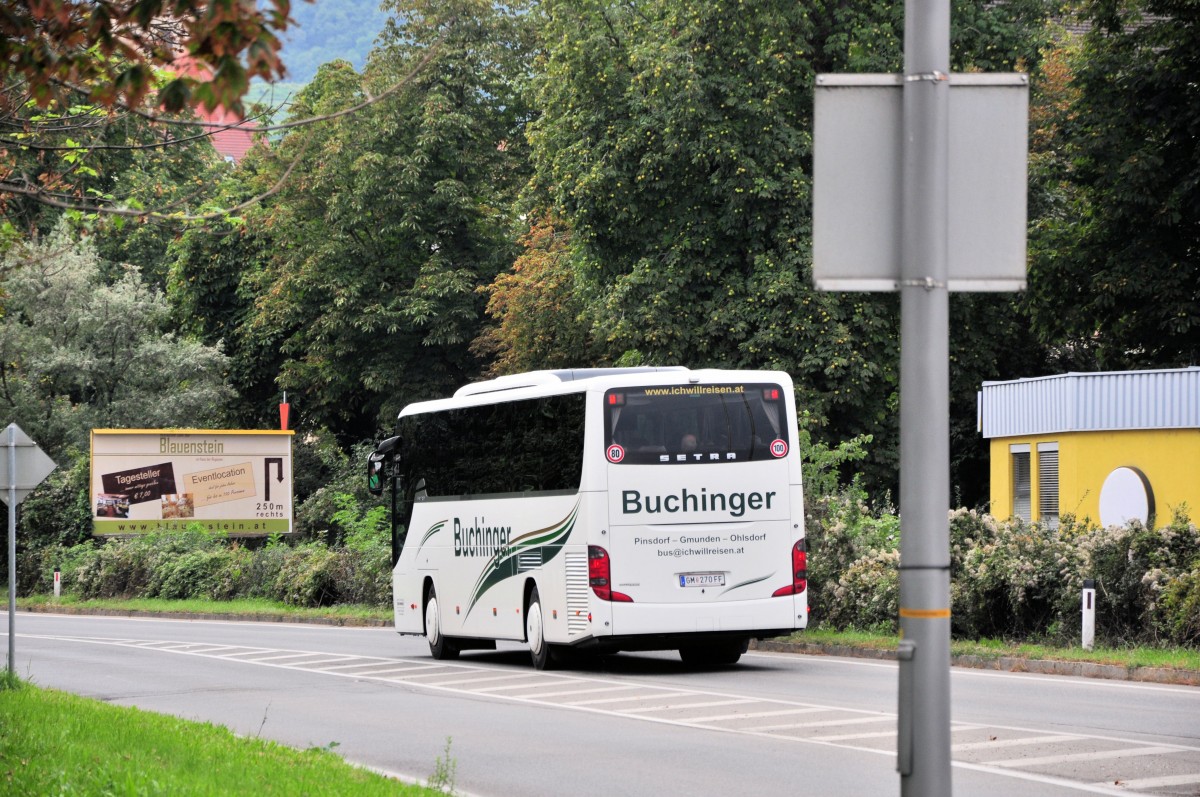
799 572
600 576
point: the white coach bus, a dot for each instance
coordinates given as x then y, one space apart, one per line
599 510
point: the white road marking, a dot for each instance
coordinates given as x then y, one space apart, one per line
536 684
826 723
570 692
752 715
676 706
997 743
1159 783
475 679
658 695
1099 755
974 672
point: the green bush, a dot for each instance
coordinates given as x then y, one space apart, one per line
867 595
323 511
842 530
1024 582
196 564
214 573
116 570
1008 579
58 512
1133 568
1180 616
308 576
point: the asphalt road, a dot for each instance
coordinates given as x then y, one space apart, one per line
625 725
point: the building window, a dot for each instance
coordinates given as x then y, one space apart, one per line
1022 487
1048 483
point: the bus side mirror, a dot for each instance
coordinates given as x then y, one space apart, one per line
378 464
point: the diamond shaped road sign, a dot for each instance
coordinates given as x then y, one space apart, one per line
22 464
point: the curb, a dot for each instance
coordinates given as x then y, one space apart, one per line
1079 669
347 622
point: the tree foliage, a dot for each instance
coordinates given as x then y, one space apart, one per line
77 352
97 89
1116 263
589 182
675 139
393 218
538 308
114 47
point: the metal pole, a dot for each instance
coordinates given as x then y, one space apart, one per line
1089 613
924 711
12 548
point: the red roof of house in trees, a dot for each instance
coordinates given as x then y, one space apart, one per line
233 143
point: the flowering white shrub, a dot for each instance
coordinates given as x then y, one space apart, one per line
1011 579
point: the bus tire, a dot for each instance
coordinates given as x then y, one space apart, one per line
441 647
535 634
714 654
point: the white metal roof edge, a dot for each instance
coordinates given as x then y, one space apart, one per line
1166 398
1077 374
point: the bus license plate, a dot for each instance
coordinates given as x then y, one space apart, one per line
701 579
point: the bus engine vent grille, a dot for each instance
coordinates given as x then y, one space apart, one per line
529 560
577 593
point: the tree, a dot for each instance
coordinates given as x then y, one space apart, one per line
213 271
538 308
113 48
1115 278
84 85
674 139
393 220
77 352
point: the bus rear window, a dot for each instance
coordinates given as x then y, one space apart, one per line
695 424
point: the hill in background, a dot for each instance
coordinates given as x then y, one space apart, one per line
324 31
327 30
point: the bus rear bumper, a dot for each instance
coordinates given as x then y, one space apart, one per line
668 626
673 641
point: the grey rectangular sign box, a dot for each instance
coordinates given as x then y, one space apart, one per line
857 164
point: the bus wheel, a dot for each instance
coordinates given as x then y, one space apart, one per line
535 633
440 647
715 653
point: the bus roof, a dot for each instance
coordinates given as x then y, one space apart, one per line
536 383
534 378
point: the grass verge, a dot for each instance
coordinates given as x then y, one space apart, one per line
992 649
250 608
55 743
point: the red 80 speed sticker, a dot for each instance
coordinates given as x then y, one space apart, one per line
779 448
615 453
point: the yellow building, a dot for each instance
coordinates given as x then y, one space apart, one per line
1104 447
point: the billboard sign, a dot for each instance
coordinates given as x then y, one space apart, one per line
235 482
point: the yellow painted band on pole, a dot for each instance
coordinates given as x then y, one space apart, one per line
925 614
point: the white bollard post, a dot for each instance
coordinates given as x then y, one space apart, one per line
57 583
1089 613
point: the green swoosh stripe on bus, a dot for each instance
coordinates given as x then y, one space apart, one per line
434 529
549 540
